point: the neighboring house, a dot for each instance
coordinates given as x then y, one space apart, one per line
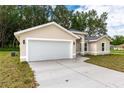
118 47
52 41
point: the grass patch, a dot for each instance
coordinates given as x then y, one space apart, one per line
117 52
9 49
115 62
15 74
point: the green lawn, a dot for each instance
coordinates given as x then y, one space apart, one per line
117 52
9 49
115 62
15 74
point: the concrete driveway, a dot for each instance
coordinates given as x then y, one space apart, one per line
75 74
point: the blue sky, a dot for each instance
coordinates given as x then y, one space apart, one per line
73 7
115 16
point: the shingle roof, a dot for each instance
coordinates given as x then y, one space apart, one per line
96 38
91 37
74 30
77 31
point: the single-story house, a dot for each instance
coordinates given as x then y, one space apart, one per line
52 41
118 47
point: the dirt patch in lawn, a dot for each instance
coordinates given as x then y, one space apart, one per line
15 74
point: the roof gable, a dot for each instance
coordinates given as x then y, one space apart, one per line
91 37
96 38
44 25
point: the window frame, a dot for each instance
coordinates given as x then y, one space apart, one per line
85 47
103 46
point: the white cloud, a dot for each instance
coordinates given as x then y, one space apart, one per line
115 17
53 6
100 9
113 32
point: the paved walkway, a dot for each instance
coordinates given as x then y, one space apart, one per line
75 74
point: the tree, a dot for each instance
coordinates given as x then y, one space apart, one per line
90 22
117 40
15 18
33 15
7 15
78 21
62 16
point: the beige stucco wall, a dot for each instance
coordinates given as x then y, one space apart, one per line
49 32
95 48
80 44
107 46
92 48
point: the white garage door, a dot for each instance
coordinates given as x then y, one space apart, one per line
46 50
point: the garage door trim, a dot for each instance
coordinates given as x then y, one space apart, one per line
45 39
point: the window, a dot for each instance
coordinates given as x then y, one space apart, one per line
103 46
73 43
23 41
85 47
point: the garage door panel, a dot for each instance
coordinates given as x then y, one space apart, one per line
45 50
